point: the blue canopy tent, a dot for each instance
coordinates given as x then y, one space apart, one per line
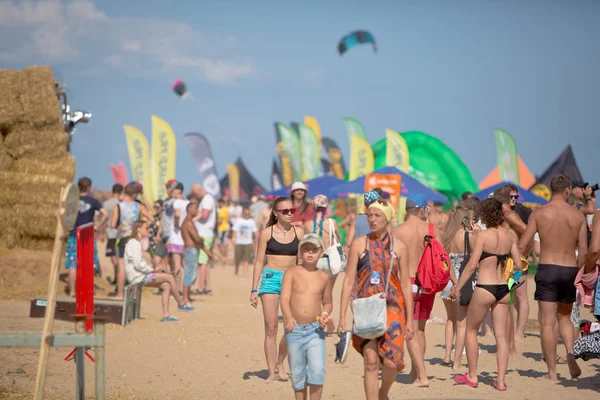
320 185
525 196
409 185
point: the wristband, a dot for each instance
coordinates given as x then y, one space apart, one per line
326 313
253 291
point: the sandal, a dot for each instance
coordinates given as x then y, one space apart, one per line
464 380
208 292
495 385
198 292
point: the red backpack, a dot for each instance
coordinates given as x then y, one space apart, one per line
433 272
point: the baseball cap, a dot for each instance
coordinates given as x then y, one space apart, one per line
579 184
416 200
171 183
313 239
320 201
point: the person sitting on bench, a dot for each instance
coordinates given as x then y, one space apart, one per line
138 270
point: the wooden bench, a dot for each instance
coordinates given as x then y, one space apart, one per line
120 312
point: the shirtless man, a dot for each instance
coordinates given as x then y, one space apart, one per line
263 217
412 233
438 217
562 231
306 302
519 312
193 243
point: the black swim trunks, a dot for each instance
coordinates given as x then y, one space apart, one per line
555 283
111 246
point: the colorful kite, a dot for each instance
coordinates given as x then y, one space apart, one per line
180 89
355 38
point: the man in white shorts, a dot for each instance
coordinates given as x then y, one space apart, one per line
205 222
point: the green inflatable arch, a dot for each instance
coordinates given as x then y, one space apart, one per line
432 163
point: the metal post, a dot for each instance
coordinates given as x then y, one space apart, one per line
79 361
99 346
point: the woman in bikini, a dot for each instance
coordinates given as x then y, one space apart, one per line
492 249
459 227
279 242
369 264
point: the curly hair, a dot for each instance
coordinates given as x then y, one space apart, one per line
491 213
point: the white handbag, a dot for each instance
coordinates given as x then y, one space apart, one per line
335 252
370 313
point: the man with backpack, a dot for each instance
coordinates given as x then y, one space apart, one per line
428 276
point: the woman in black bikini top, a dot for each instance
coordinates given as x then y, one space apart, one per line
277 250
491 290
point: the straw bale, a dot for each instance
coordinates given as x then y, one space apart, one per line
59 168
29 96
23 139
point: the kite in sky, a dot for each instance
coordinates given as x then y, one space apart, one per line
356 38
180 89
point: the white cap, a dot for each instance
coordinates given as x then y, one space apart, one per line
299 186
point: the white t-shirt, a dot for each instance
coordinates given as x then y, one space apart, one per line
207 228
175 234
235 213
244 231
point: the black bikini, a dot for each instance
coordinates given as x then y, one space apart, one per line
274 248
498 291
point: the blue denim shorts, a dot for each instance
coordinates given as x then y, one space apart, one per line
190 262
307 354
270 282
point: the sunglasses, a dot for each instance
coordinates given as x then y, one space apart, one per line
287 211
512 196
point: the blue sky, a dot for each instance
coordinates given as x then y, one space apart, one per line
453 69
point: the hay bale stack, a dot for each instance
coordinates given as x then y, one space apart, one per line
34 162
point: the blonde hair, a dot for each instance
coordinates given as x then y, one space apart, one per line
455 222
135 228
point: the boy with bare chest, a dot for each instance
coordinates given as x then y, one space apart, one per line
306 302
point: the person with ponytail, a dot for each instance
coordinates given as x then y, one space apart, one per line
323 226
277 250
138 270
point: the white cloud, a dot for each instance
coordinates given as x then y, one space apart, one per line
131 45
77 33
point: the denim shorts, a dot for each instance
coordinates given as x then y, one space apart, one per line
270 282
190 261
306 354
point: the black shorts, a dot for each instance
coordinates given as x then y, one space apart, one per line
111 248
160 249
121 247
555 283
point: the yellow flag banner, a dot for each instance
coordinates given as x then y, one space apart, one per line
163 156
396 151
139 159
312 123
361 158
233 175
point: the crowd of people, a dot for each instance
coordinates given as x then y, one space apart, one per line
481 246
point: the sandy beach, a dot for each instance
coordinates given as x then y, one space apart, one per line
217 353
